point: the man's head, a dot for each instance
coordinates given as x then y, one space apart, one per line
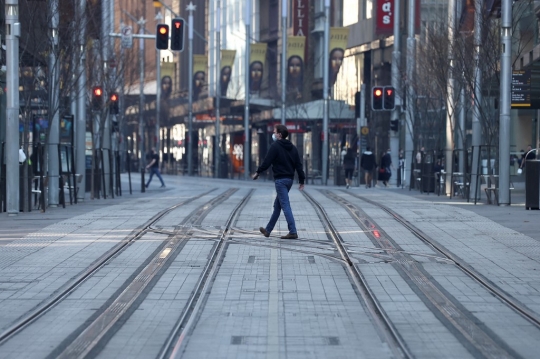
153 150
281 132
529 147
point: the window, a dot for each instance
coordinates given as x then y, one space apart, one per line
368 10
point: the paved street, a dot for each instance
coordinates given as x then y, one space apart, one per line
183 271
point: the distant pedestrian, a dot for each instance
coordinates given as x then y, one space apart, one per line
368 164
385 171
349 163
401 168
153 166
284 159
530 154
420 155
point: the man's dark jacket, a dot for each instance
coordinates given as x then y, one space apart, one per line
284 158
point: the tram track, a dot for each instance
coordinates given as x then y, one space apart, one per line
72 285
177 340
93 337
462 265
384 325
478 337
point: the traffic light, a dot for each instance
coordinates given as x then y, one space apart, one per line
377 98
177 34
389 98
162 37
394 125
113 104
97 98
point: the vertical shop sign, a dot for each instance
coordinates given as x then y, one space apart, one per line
300 21
385 17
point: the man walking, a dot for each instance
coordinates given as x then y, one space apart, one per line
368 164
154 167
284 158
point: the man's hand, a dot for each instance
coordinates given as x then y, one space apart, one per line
301 187
255 176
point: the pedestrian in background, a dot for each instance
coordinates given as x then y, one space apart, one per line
368 164
385 171
349 163
284 159
526 156
153 166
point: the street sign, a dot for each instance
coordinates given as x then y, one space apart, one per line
127 37
521 89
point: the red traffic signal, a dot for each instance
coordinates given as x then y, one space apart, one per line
162 37
377 98
113 104
97 98
389 98
177 34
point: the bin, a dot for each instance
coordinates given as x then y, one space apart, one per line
339 176
532 184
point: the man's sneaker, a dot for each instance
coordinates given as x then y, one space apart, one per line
162 186
347 186
264 232
290 236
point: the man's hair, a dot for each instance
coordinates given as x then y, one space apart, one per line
282 129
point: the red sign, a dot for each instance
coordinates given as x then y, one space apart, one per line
300 20
385 17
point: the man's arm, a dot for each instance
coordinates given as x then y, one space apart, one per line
270 156
151 163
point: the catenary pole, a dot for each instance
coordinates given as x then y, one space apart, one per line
157 136
217 151
106 142
142 156
450 113
80 126
396 84
54 130
12 107
283 59
411 94
246 111
505 101
190 8
326 59
477 101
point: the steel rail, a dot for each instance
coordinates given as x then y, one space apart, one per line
187 321
466 268
68 288
384 324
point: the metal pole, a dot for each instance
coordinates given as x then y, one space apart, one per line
12 107
450 97
105 166
54 108
396 84
504 116
461 130
190 8
283 59
142 157
326 59
158 101
477 101
217 151
411 95
246 111
80 128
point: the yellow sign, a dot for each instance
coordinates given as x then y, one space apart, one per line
365 131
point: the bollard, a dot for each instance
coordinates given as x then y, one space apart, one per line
143 187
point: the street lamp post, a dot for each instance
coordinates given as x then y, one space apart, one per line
505 100
190 8
283 58
326 59
246 110
217 151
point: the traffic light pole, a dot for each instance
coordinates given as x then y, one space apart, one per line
326 59
246 85
12 107
411 95
283 59
396 62
505 101
217 151
190 8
